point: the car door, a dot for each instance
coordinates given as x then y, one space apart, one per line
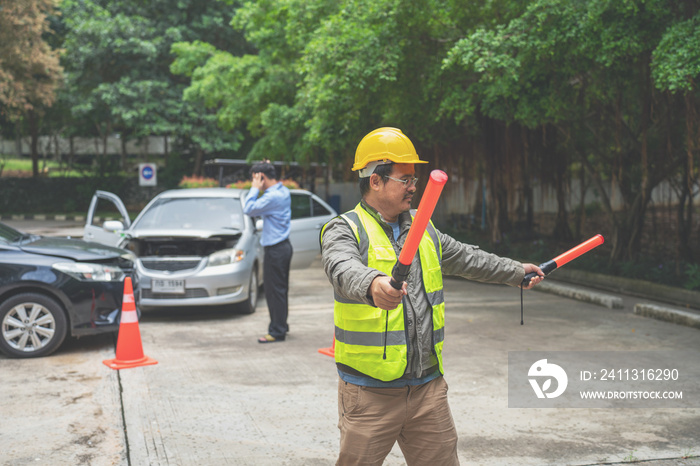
110 206
309 214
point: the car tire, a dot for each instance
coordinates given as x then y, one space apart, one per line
31 325
248 306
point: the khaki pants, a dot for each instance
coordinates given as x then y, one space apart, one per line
371 420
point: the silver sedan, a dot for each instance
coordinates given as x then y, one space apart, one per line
195 247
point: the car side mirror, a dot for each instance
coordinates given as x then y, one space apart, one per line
259 224
113 225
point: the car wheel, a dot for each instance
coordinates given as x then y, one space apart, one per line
248 306
31 325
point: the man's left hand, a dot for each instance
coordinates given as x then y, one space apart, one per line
534 280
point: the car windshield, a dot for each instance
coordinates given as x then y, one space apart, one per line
198 213
9 234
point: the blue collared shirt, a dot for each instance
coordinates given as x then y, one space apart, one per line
275 208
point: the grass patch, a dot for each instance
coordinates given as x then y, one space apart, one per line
22 168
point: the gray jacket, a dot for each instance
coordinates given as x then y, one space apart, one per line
351 279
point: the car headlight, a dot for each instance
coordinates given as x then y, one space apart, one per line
84 271
226 256
129 256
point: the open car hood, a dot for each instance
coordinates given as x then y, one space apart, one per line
169 243
75 249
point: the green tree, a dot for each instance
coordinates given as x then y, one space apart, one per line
252 92
29 68
675 70
324 73
503 91
582 68
119 81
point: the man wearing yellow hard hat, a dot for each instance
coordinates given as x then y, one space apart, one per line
388 342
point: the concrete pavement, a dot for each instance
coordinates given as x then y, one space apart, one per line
218 397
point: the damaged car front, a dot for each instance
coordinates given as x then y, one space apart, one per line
195 248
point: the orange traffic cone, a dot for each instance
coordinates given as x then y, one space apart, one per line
330 351
129 350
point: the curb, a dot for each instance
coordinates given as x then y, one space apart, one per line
640 288
581 294
675 316
666 314
72 218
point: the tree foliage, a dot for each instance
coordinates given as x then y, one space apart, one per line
535 88
29 68
507 94
118 70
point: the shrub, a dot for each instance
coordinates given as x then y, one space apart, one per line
291 184
693 279
240 185
197 182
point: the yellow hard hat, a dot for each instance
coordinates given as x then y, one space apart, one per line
387 144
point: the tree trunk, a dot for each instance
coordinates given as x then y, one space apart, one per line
492 163
56 148
123 152
480 201
104 134
34 134
18 142
685 224
199 156
685 204
495 217
166 151
628 234
562 230
581 214
525 179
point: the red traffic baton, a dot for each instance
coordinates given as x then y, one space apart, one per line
437 181
568 256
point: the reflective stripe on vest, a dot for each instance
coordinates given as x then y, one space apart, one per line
361 332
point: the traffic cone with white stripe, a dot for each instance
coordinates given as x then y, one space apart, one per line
330 351
129 349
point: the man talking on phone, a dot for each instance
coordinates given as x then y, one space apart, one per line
274 205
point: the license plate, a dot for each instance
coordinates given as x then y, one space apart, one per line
168 286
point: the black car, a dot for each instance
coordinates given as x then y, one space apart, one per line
50 286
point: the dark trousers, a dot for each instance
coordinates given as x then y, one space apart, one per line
276 275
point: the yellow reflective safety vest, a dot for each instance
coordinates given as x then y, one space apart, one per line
363 333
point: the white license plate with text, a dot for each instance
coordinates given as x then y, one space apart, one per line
168 286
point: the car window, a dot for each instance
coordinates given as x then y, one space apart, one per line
318 209
193 213
301 206
106 210
8 234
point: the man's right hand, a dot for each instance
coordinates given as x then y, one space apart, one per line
257 181
384 295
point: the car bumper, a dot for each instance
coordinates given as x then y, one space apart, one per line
204 286
95 307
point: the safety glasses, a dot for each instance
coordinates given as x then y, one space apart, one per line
406 183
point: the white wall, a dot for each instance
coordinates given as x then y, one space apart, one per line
85 146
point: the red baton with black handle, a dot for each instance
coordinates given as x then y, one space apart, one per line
568 256
437 181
